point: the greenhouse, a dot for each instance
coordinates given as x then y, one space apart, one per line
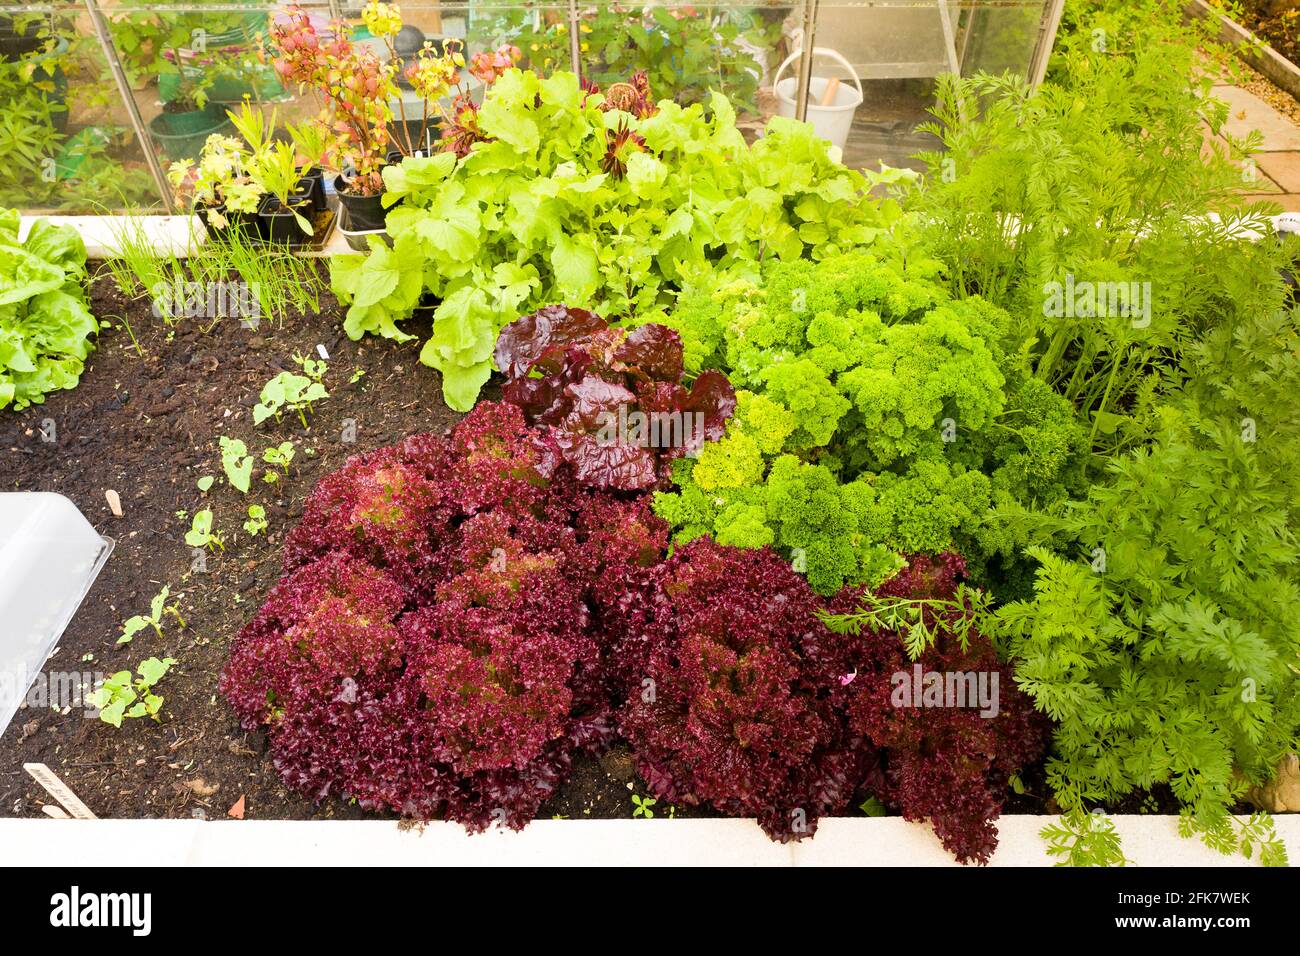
732 433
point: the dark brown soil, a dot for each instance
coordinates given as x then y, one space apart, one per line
147 426
1279 28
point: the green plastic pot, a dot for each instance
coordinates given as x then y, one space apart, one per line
186 145
258 83
191 122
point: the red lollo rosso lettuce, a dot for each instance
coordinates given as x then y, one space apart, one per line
612 400
435 648
736 691
943 763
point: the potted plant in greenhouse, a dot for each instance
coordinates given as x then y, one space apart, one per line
312 143
19 36
187 118
355 88
219 187
287 199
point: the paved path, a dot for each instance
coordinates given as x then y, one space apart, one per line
1277 173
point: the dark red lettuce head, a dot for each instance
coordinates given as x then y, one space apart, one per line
613 401
435 648
948 759
735 695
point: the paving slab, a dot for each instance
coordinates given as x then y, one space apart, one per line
1282 168
1247 112
1290 202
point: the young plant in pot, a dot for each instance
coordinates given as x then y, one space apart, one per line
354 87
350 85
188 112
219 187
285 210
20 36
312 144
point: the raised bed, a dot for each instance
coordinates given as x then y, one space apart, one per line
146 426
1250 48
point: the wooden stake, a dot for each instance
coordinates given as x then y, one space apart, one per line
59 790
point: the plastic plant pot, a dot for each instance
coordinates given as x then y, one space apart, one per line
279 224
364 212
234 220
185 145
189 122
313 186
358 240
49 557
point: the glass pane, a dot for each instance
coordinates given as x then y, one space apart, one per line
894 49
67 141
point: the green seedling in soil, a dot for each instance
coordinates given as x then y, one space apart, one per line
358 374
288 391
158 608
279 456
128 695
201 533
256 522
237 462
643 805
205 483
314 369
271 477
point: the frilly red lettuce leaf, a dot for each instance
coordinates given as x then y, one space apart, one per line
614 400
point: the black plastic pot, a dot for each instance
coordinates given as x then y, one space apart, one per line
278 224
312 185
420 133
234 220
364 212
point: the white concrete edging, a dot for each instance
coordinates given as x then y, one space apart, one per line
839 841
170 235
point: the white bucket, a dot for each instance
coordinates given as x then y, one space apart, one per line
832 121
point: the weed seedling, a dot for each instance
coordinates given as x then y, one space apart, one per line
202 534
127 695
157 609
